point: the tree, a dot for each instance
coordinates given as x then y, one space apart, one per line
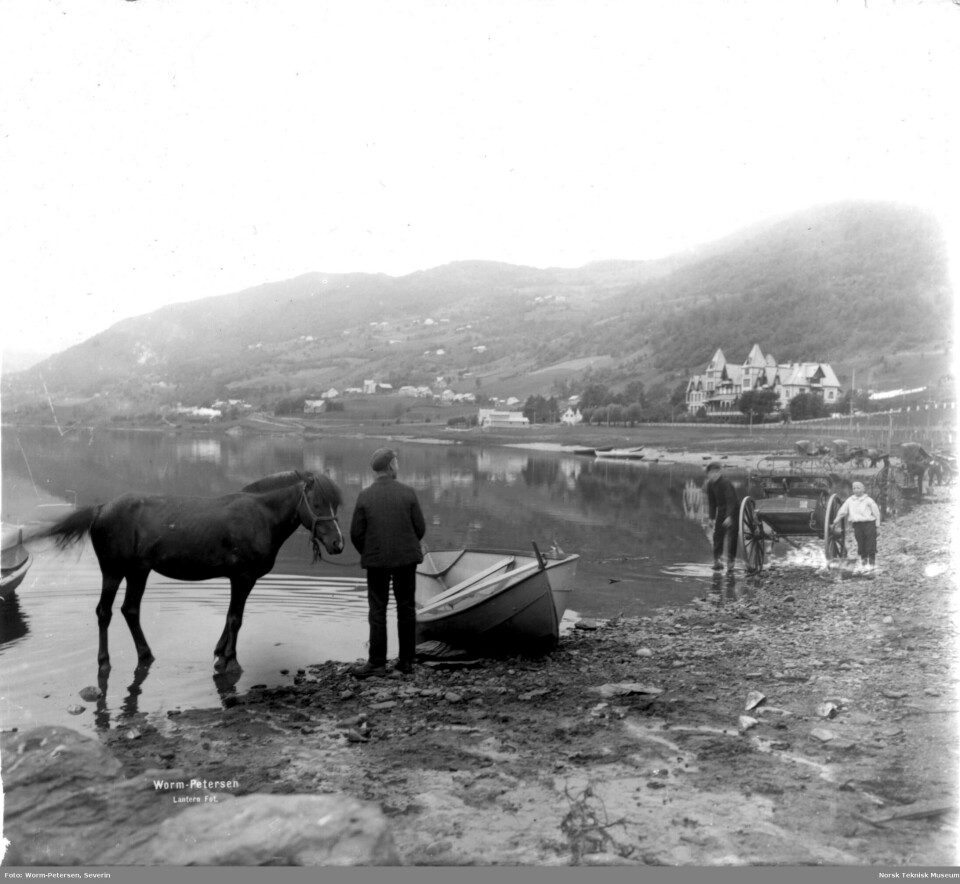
755 404
679 395
634 393
594 395
806 406
539 410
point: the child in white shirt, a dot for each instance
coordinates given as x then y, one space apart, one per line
864 515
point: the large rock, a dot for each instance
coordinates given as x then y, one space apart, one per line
279 830
67 803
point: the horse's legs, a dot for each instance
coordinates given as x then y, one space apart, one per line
108 593
226 649
136 584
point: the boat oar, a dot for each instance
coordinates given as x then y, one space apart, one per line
540 558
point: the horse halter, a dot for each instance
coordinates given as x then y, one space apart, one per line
315 519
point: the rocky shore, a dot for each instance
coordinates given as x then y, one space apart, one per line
798 717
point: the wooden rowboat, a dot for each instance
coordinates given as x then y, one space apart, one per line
15 560
494 602
623 453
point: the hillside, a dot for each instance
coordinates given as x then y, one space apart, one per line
847 283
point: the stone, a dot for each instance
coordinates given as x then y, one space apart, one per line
67 802
745 722
90 694
822 734
289 830
754 699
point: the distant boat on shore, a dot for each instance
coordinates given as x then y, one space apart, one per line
622 453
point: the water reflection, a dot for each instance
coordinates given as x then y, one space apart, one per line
13 621
636 527
471 494
129 708
226 681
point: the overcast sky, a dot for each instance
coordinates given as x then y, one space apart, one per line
158 151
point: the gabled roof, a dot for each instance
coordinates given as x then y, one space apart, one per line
718 361
733 373
754 357
829 378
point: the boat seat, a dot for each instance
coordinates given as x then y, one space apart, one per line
501 565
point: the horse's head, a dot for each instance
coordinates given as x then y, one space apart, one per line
319 500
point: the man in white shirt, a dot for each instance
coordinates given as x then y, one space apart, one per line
864 515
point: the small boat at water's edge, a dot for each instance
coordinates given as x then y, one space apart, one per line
15 560
493 602
623 453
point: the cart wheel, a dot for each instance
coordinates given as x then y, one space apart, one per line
834 544
752 536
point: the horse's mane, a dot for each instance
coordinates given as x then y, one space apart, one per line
328 488
275 481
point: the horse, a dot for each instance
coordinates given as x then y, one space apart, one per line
914 462
193 538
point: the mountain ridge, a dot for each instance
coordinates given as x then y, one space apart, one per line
845 282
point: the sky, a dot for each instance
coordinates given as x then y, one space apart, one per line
156 151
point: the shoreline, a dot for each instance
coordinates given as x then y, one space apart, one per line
795 717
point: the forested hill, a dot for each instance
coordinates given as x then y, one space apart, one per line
822 285
845 283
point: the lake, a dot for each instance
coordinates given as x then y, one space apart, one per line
635 527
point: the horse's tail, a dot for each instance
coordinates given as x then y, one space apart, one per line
72 528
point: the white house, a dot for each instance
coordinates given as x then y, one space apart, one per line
722 382
198 412
490 418
314 406
570 417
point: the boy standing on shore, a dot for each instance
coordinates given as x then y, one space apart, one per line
864 515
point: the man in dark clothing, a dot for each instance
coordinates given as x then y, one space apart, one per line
725 512
386 530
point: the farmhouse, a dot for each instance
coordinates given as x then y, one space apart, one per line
718 388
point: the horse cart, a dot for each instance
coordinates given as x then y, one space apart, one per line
795 499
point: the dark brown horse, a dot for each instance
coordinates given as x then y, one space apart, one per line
193 538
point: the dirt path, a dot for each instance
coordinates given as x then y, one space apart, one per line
632 742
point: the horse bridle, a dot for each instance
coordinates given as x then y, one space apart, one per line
315 519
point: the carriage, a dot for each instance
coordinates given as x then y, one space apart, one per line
796 498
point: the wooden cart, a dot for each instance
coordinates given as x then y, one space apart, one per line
795 499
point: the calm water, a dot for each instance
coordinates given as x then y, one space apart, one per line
634 527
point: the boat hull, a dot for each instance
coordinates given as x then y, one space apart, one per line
15 561
622 453
495 602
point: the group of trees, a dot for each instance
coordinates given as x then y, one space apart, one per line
599 404
756 405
